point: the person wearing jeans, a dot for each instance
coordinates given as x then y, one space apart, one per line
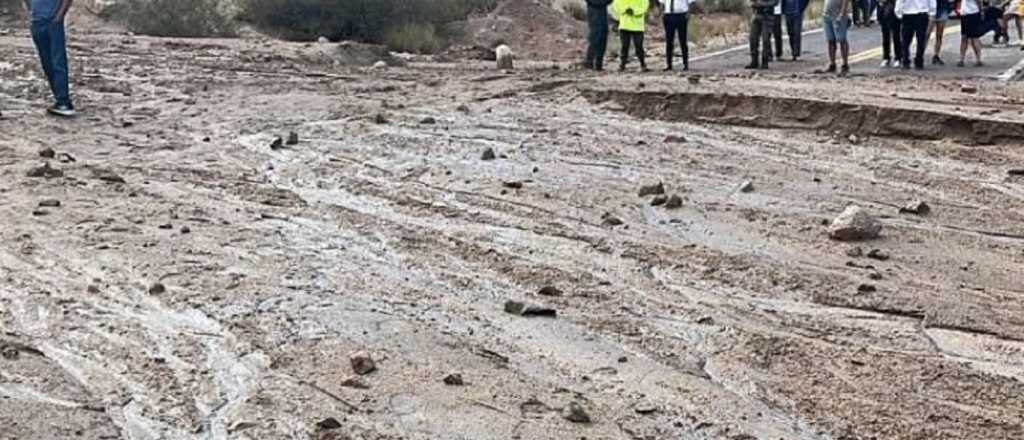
676 21
793 13
597 19
51 42
836 22
915 15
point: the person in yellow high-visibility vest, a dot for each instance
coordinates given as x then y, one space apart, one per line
632 16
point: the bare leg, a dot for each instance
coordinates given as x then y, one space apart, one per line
976 44
940 29
845 46
964 42
832 53
1020 29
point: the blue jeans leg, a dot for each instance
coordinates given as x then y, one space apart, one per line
51 43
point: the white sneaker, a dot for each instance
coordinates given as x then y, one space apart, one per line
896 64
64 111
885 64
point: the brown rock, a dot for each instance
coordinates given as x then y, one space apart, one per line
674 202
526 309
362 363
157 289
854 224
44 171
917 207
454 380
652 190
47 153
549 291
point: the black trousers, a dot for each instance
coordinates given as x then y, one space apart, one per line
795 30
761 25
915 26
597 19
777 34
637 40
892 38
676 27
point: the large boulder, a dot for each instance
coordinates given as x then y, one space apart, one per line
854 224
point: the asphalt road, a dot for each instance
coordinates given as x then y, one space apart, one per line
1001 62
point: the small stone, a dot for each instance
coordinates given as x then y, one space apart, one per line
454 380
693 80
611 220
186 230
674 202
166 226
463 108
878 254
866 288
428 121
652 190
323 40
623 359
969 88
380 119
575 413
854 224
356 383
706 320
277 144
47 153
855 252
488 154
747 187
1016 172
107 176
49 203
44 171
675 139
329 423
362 363
513 185
40 212
549 291
526 309
380 65
645 408
157 289
854 139
505 58
659 200
92 289
206 139
293 139
10 353
875 276
917 207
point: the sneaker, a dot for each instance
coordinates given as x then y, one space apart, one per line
62 110
845 69
751 66
938 61
897 64
979 64
831 68
667 69
885 64
960 64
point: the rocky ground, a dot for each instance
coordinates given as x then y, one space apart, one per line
477 246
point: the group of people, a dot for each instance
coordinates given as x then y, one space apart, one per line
902 23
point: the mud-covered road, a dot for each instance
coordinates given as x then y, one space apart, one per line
195 283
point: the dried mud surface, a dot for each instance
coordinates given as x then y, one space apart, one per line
731 317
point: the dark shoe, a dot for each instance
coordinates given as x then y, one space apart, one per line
845 70
644 69
622 67
919 66
960 64
63 110
686 68
668 69
979 64
831 68
937 61
752 66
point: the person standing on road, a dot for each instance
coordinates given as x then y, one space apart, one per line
48 34
914 15
632 23
892 46
836 22
761 32
943 9
597 19
777 32
676 20
793 12
971 30
1013 11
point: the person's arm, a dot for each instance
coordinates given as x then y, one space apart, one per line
932 8
644 7
65 6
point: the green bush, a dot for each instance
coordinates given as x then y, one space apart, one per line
413 38
362 20
173 18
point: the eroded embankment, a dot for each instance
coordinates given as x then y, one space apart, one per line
811 114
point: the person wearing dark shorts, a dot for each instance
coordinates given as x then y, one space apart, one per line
836 22
971 30
914 15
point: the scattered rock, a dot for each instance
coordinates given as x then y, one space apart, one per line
652 190
356 383
380 119
380 65
10 353
488 154
293 139
867 288
693 80
527 309
706 320
917 207
47 153
854 139
855 252
1016 172
875 276
877 254
611 220
107 176
463 108
623 359
533 407
675 139
45 171
854 224
323 40
40 213
157 289
645 408
454 380
186 230
969 88
513 185
549 291
428 121
362 363
329 423
747 187
165 226
92 289
575 413
505 57
49 203
277 144
659 200
674 202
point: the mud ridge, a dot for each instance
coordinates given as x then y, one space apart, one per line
811 114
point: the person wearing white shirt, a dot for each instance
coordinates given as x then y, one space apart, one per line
676 19
971 30
915 15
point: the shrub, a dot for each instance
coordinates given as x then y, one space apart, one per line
413 38
173 18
